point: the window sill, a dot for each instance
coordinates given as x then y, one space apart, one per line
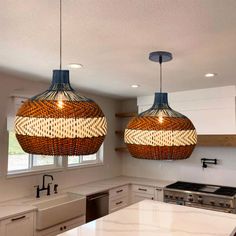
73 167
17 174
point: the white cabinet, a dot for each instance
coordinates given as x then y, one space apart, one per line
118 198
211 110
18 225
159 194
60 228
141 192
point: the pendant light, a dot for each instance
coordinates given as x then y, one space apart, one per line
160 133
60 121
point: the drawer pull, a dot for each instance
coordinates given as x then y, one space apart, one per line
142 189
119 191
118 203
18 218
159 189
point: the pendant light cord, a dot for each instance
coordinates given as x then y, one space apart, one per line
60 34
160 62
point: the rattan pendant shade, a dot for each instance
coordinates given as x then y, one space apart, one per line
160 133
60 122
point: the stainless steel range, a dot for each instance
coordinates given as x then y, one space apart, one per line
212 197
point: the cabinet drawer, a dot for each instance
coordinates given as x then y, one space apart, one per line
143 189
137 197
118 203
117 192
18 225
60 228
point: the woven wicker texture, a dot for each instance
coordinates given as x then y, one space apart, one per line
60 147
49 108
76 128
160 138
160 153
153 123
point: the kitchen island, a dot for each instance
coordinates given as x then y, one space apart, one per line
149 218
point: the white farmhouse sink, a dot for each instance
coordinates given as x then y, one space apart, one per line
59 209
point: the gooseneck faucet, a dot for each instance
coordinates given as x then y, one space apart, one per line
43 188
38 190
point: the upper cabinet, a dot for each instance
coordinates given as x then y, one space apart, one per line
211 110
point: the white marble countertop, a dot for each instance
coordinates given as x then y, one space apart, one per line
23 205
152 218
104 185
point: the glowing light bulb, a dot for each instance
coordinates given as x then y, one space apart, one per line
160 119
60 104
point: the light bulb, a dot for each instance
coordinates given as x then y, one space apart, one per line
160 119
60 104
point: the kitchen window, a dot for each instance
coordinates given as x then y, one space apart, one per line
19 161
92 159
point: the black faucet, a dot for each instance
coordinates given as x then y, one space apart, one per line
38 190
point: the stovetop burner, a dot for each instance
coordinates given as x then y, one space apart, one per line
204 188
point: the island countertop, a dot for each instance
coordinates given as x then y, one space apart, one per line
149 218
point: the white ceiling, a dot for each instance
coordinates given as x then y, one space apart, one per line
112 39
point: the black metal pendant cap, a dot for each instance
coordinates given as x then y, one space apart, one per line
165 56
60 77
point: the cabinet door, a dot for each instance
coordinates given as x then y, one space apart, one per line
60 228
20 225
159 194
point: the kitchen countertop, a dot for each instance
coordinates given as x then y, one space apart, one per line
152 218
104 185
24 205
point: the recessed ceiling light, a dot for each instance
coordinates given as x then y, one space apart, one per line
75 66
209 75
135 86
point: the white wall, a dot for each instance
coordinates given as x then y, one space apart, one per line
185 170
188 170
11 188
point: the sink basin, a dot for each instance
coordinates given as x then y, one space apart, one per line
59 209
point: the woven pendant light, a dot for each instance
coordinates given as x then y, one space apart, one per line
160 133
60 121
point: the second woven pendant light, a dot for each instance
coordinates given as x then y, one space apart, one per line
60 121
160 133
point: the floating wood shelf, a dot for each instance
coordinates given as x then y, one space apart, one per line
119 132
221 140
126 114
121 149
214 140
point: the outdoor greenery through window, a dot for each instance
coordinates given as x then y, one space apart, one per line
19 161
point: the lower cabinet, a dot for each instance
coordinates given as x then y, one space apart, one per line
60 228
19 225
141 192
118 198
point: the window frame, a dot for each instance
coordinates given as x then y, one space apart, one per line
59 164
99 160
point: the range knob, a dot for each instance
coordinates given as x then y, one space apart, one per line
166 196
190 198
221 204
227 205
212 203
200 200
176 197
